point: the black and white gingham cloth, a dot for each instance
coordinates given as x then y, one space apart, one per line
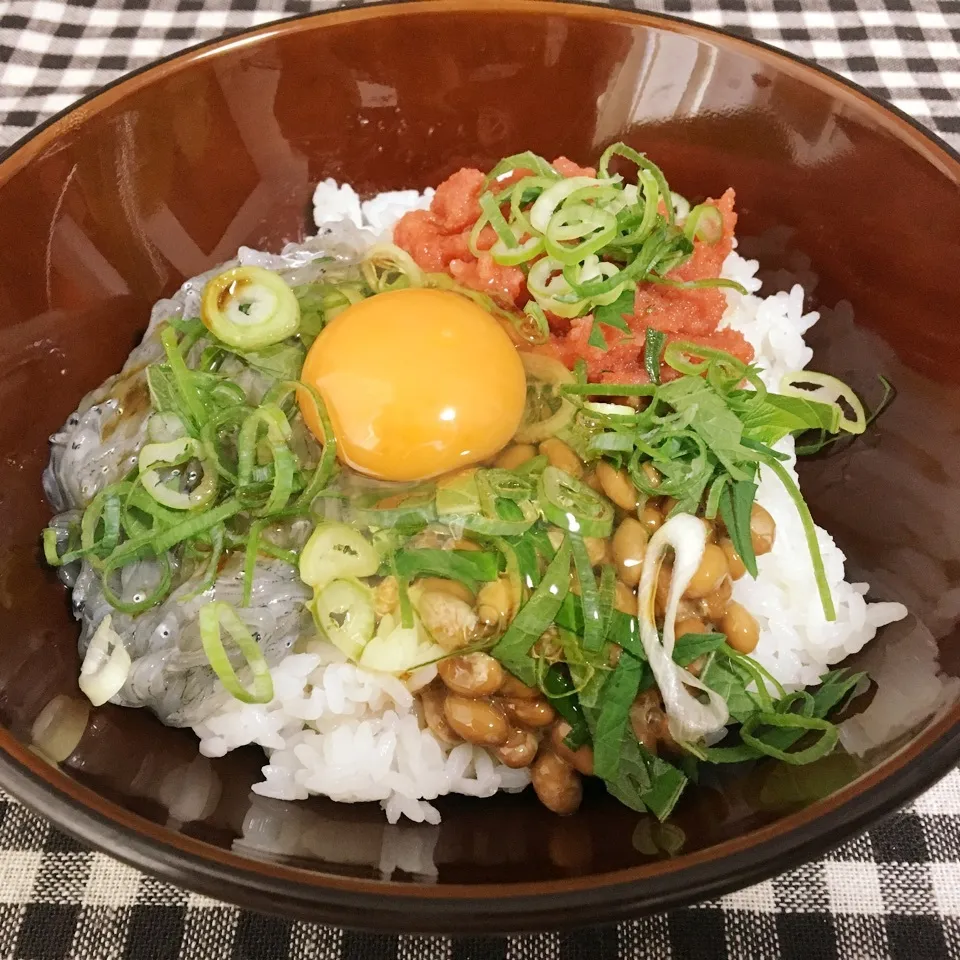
54 51
893 893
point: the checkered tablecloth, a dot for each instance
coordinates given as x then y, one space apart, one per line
893 893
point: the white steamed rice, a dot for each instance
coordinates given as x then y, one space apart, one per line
353 735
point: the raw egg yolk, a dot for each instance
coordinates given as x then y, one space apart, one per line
417 383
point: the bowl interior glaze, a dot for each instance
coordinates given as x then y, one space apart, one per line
162 176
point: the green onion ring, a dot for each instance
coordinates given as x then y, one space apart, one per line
571 505
219 614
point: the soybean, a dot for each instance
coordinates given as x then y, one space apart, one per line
714 605
515 689
617 485
442 585
624 599
596 550
531 713
709 575
476 721
474 675
651 518
741 628
556 783
518 750
763 530
514 456
562 457
580 759
737 569
432 698
494 604
629 547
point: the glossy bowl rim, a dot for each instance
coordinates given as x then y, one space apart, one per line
393 907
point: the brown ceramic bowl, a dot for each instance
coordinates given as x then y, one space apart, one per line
111 205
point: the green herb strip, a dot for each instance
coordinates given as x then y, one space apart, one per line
593 619
736 506
810 532
403 594
538 613
790 721
619 692
622 629
692 646
560 691
469 567
607 600
653 352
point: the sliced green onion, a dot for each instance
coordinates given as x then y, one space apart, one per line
704 222
139 503
593 226
610 389
250 560
327 465
249 308
344 613
637 269
268 415
233 418
183 378
491 209
538 330
572 505
104 507
552 373
335 551
593 619
176 453
386 267
218 614
528 160
694 359
552 291
519 253
498 516
525 191
705 283
828 390
413 507
133 607
50 547
284 462
546 204
648 220
217 537
505 483
681 206
610 412
106 665
642 163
